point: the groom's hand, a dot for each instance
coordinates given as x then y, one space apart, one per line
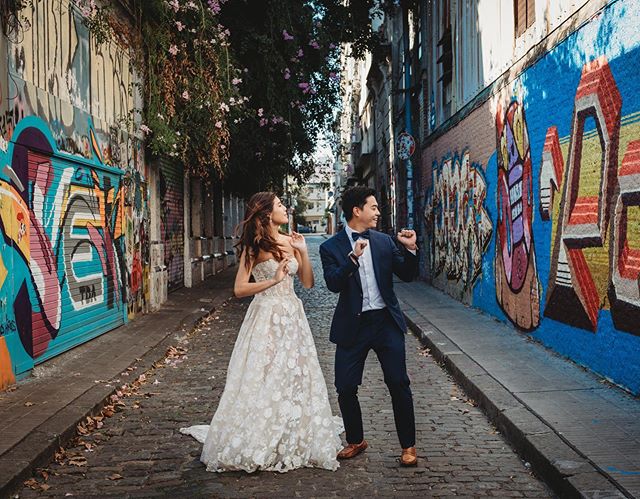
407 238
360 245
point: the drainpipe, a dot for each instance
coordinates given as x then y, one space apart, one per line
407 108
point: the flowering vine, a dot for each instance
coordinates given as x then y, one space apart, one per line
193 89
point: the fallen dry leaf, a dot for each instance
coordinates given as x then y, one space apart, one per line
60 455
28 404
78 461
115 476
32 483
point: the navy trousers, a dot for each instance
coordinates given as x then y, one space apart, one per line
380 333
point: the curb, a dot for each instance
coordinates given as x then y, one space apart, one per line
565 471
39 447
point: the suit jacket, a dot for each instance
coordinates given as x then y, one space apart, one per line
342 276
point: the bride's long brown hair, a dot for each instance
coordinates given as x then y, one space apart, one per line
256 229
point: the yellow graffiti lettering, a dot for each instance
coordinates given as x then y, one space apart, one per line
15 217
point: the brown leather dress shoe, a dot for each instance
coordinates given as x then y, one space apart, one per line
408 457
352 450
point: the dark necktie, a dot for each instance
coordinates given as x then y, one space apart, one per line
357 235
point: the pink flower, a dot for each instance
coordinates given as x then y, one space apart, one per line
218 124
145 128
236 81
224 107
175 5
287 73
305 87
332 45
334 76
286 36
185 95
300 53
263 121
173 50
314 44
260 111
214 5
179 25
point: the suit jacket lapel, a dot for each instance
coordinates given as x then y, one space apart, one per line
346 248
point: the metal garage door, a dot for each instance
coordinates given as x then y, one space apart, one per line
172 221
68 286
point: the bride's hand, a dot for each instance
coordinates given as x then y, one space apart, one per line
282 270
298 242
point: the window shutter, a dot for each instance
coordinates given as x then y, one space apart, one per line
531 12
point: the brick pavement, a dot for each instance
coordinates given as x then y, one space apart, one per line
138 452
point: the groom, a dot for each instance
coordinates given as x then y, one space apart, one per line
359 263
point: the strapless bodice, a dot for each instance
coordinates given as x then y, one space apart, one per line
265 270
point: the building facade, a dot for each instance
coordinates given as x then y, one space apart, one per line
529 172
93 232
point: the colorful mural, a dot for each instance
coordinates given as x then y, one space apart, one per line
61 229
517 288
459 223
561 166
137 217
74 214
579 274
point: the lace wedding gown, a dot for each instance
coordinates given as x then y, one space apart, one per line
274 413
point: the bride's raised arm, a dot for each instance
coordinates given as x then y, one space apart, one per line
305 272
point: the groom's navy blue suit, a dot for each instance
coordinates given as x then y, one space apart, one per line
356 332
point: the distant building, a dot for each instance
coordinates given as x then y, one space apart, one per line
314 200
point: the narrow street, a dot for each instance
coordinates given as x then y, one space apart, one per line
138 451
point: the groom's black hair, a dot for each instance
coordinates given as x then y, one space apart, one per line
355 196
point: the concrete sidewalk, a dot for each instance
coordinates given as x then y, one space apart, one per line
580 434
42 413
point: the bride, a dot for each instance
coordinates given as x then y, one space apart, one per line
274 412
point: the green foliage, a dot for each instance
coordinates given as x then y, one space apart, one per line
290 50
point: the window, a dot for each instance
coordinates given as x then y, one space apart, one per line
524 14
197 207
442 50
469 66
218 222
446 64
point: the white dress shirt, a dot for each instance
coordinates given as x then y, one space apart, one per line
371 297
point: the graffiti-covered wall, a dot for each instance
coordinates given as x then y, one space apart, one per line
74 244
532 201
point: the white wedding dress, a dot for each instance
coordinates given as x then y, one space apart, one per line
274 413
